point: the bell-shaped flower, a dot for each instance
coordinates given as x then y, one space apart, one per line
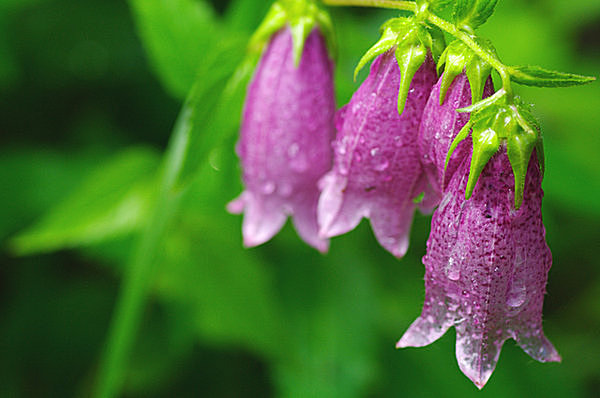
440 125
486 268
285 139
377 173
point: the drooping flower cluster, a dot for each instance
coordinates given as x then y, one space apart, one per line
403 141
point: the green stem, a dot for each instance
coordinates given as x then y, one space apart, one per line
391 4
140 269
477 49
442 24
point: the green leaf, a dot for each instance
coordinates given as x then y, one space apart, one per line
439 5
540 77
177 34
410 58
519 148
485 144
112 202
214 108
470 14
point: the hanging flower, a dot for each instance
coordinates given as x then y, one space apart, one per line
377 172
486 269
440 125
285 139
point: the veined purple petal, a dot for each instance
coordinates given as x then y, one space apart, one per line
376 172
440 125
486 269
285 140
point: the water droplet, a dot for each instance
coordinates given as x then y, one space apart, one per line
361 139
358 157
398 140
517 294
343 168
452 270
382 164
299 163
268 188
374 151
293 150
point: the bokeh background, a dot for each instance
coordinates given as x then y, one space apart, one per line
89 93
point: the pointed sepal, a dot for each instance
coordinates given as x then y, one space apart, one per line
410 58
486 143
413 40
387 41
302 16
458 58
512 125
460 137
519 148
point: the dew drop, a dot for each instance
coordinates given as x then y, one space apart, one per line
293 150
516 295
452 270
299 164
382 164
268 188
374 152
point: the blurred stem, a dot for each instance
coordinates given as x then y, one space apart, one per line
441 23
139 271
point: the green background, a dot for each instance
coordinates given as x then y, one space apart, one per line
89 92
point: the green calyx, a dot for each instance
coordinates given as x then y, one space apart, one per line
412 39
458 58
302 16
502 124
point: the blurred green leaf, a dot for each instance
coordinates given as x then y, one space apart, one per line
214 107
245 14
113 201
177 35
228 289
539 77
473 13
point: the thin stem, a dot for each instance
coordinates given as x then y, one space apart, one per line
140 269
391 4
476 48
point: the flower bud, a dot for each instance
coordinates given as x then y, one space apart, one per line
285 139
377 172
486 269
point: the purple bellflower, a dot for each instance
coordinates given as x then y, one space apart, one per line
486 269
440 126
285 139
377 172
